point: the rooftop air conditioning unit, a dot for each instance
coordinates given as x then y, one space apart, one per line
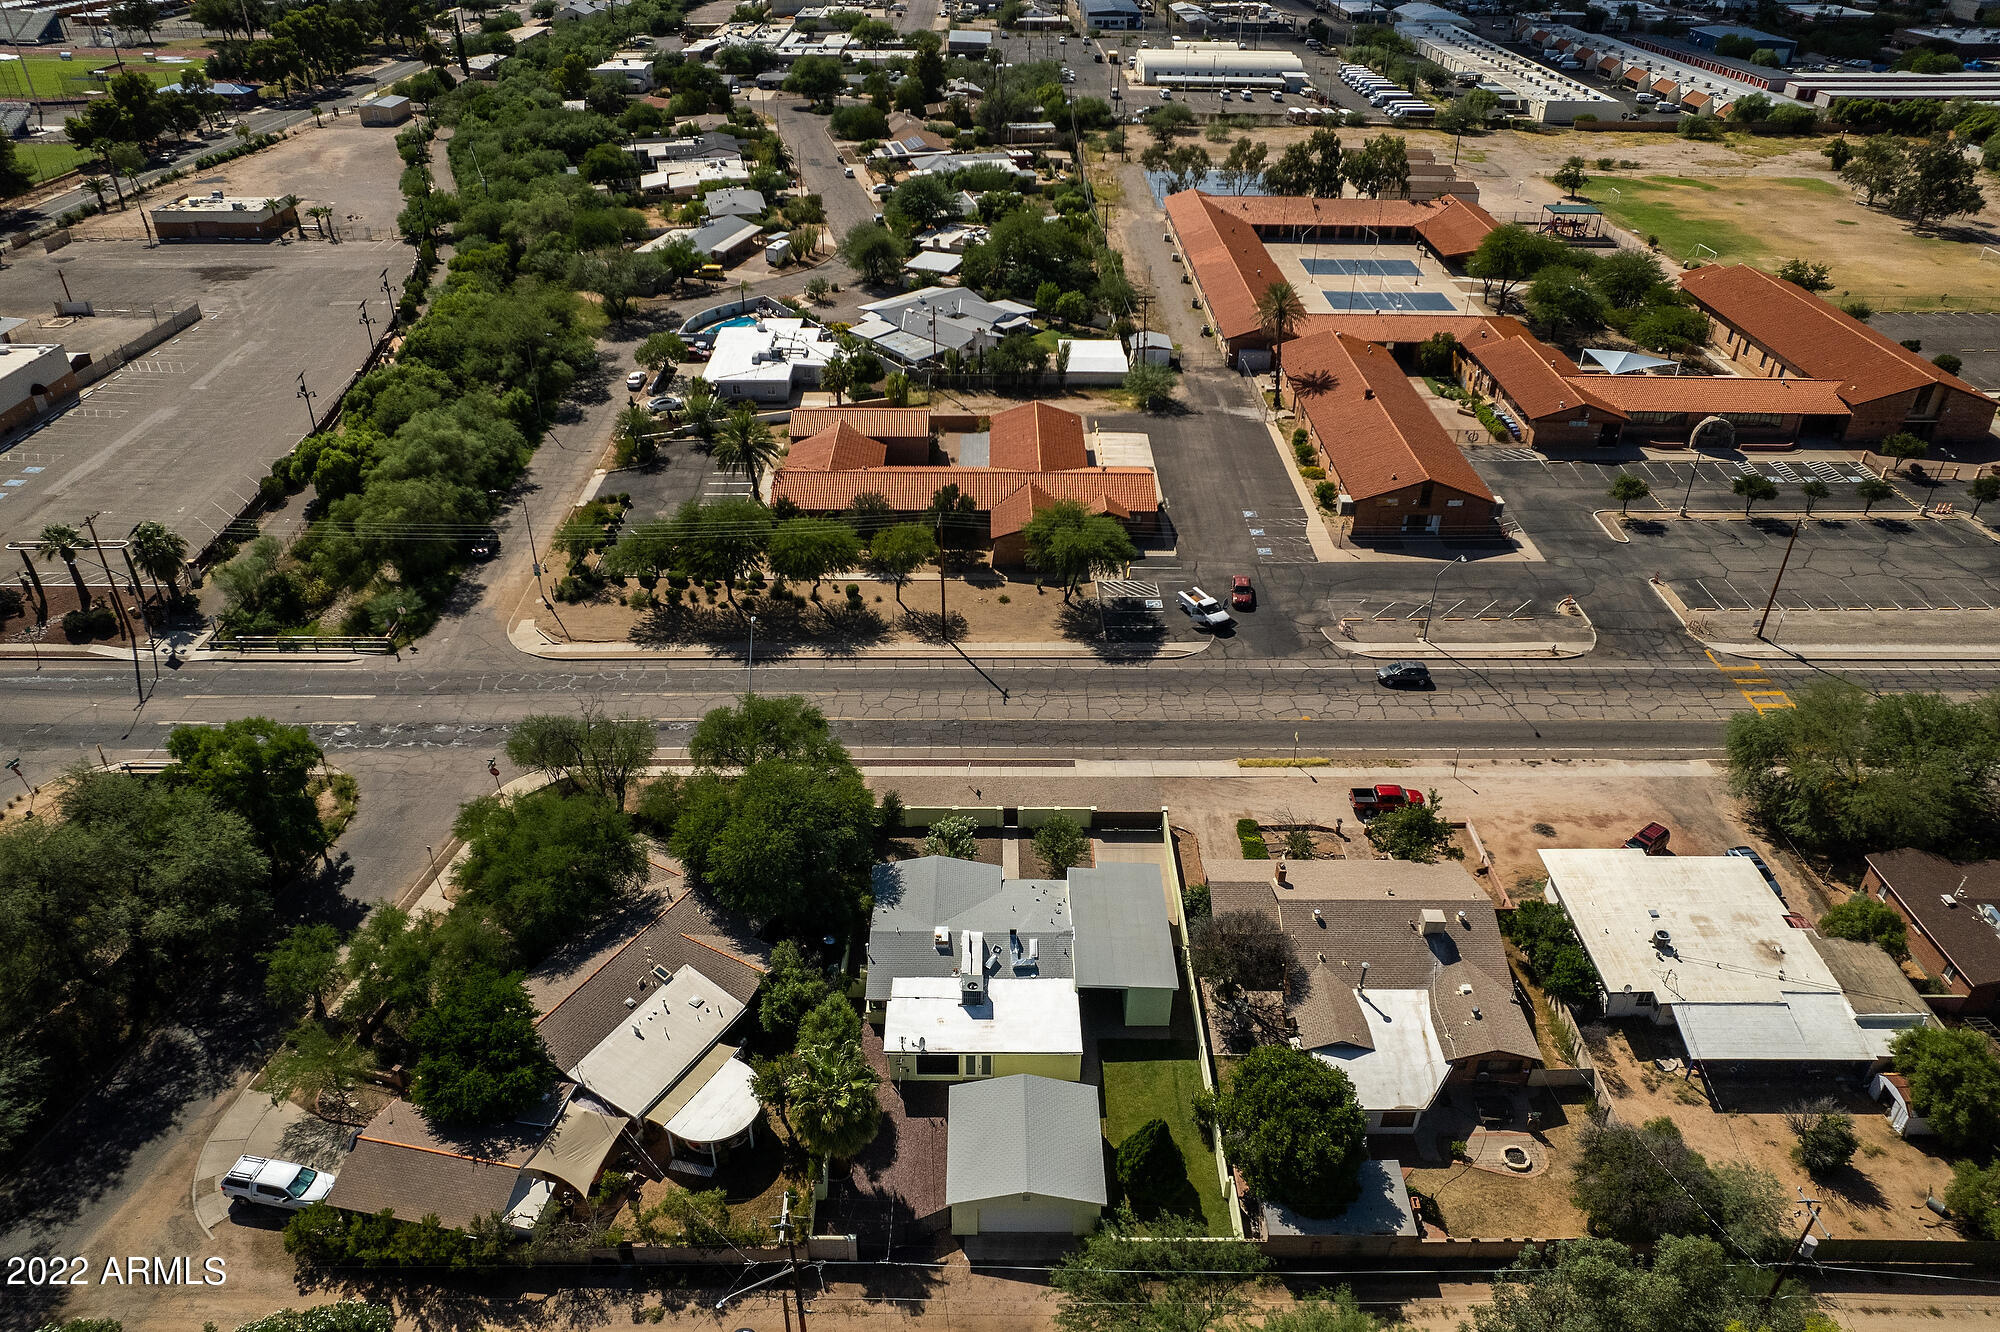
1661 939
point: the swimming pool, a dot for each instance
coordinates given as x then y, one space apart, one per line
741 321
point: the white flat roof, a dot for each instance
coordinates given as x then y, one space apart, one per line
771 349
1037 1015
1407 1065
1098 356
658 1042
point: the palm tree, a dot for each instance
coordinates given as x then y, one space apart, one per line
159 551
1279 311
835 1110
97 185
746 445
61 541
836 377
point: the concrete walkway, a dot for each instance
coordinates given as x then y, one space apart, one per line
528 638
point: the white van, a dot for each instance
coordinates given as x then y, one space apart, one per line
1203 609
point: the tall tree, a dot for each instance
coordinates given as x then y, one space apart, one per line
1168 1275
593 750
1939 182
900 551
262 770
1310 167
745 445
812 548
1071 544
764 727
835 1110
1509 255
305 965
1381 166
1279 313
1292 1125
60 541
1243 168
480 1059
1876 168
161 554
545 864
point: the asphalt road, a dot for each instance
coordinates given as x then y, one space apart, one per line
847 201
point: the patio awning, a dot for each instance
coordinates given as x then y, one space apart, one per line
1623 362
690 1084
723 1108
576 1151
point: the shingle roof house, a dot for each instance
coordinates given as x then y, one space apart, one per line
1399 975
1024 1156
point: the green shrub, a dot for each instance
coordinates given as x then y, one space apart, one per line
1252 839
1313 473
1327 494
1153 1173
1865 920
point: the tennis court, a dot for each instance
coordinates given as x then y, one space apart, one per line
1361 267
1401 302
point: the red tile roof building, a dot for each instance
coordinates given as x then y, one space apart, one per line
1775 329
904 432
1222 241
1038 454
1556 405
1382 444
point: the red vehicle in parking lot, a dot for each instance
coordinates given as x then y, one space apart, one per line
1241 594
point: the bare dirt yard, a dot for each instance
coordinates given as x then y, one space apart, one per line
1881 1196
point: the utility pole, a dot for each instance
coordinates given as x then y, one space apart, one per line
789 1230
118 604
944 622
369 325
1430 607
750 661
139 595
1791 1260
1773 599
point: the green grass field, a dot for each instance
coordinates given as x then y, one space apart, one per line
49 76
1656 206
44 161
1146 1080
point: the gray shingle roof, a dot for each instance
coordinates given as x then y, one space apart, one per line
1122 938
913 897
1024 1134
1371 911
687 933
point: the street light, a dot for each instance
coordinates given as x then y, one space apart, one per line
1430 607
750 661
306 396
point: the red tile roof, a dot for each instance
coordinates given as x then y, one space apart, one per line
1377 430
1412 328
1013 513
1280 210
874 422
1455 227
1036 437
839 448
1540 380
909 489
1226 257
1812 337
1717 393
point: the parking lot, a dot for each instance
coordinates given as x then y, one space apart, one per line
1884 564
183 435
1973 338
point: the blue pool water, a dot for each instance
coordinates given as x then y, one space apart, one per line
741 321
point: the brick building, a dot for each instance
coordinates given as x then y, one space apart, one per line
1953 912
1774 329
1397 469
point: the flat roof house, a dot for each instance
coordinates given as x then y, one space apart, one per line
33 378
1398 978
215 216
1024 1156
1953 913
972 974
1397 469
1772 328
916 327
1702 944
769 360
633 73
388 109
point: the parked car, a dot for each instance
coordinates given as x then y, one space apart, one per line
1652 839
1204 609
486 545
847 172
1403 675
1750 854
285 1184
665 402
1166 94
1223 93
1368 801
1241 594
635 381
1277 96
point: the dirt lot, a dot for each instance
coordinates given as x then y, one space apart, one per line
1880 1197
1750 199
1482 1204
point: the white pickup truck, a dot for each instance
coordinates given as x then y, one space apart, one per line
283 1184
1204 609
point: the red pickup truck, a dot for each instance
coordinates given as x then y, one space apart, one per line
1369 801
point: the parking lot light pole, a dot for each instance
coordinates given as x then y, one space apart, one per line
1773 599
1693 472
1430 607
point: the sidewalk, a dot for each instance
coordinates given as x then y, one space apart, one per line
528 638
253 1127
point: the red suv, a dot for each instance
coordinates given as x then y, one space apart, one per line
1241 594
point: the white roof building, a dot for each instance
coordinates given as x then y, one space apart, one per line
662 1039
1701 942
766 360
1095 362
1212 64
1018 1016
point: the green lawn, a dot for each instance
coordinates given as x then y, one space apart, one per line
46 160
1146 1080
1650 206
49 75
